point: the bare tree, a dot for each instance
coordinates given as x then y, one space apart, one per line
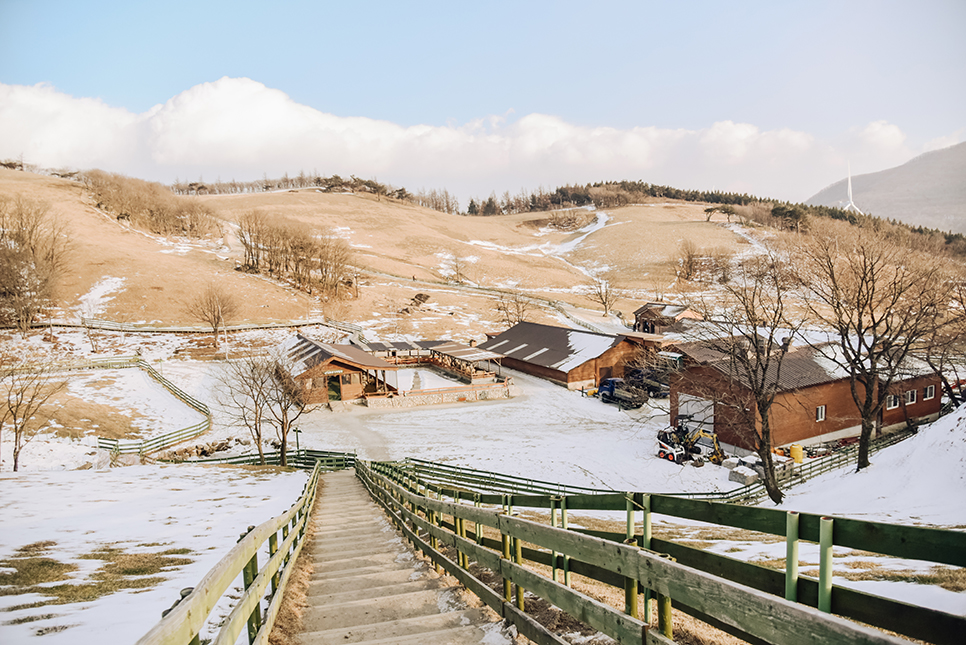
514 308
945 348
34 252
688 259
332 261
604 293
751 326
247 383
458 265
213 306
879 300
252 227
284 404
26 385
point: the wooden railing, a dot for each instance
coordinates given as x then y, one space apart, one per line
909 542
471 479
630 565
183 622
327 460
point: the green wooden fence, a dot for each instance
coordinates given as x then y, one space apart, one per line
910 542
305 459
283 534
472 479
145 446
741 609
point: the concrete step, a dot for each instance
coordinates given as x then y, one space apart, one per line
375 591
402 557
396 629
366 611
329 585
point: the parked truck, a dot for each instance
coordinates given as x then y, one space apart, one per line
616 390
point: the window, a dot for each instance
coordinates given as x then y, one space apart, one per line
929 392
820 413
911 396
892 402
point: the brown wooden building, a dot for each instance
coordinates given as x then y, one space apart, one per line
329 372
571 357
657 317
814 401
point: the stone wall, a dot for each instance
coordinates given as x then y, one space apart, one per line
439 397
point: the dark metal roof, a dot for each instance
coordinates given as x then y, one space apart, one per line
302 354
558 348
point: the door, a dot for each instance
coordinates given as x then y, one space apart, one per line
335 388
701 411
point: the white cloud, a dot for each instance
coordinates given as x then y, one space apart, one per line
237 127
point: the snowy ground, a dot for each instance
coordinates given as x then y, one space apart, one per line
545 433
195 511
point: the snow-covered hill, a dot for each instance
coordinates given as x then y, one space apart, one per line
921 481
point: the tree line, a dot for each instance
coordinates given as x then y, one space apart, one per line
149 205
284 248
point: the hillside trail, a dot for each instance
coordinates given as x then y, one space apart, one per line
369 587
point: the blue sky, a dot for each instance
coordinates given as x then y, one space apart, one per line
770 97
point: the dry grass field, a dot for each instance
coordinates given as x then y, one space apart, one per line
401 249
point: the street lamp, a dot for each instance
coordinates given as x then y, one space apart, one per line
297 432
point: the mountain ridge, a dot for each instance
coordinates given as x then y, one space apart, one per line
928 190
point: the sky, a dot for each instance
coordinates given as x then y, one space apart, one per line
774 99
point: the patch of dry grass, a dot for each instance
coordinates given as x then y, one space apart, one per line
34 571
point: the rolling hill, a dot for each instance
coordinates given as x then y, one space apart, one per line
400 249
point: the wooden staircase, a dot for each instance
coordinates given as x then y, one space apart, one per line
368 587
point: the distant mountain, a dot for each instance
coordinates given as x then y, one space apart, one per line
929 190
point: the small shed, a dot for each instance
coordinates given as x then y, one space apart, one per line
655 317
329 372
468 362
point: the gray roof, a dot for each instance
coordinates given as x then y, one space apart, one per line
466 353
661 310
302 354
404 345
558 348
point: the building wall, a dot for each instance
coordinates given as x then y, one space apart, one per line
315 387
921 408
792 417
533 369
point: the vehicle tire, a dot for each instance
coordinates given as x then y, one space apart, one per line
670 457
661 454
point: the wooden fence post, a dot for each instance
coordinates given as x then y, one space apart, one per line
825 565
553 522
505 539
646 543
791 556
630 584
564 526
272 550
249 573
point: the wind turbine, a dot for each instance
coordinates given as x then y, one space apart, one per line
851 204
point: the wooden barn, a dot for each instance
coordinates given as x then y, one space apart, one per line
328 372
574 358
814 401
